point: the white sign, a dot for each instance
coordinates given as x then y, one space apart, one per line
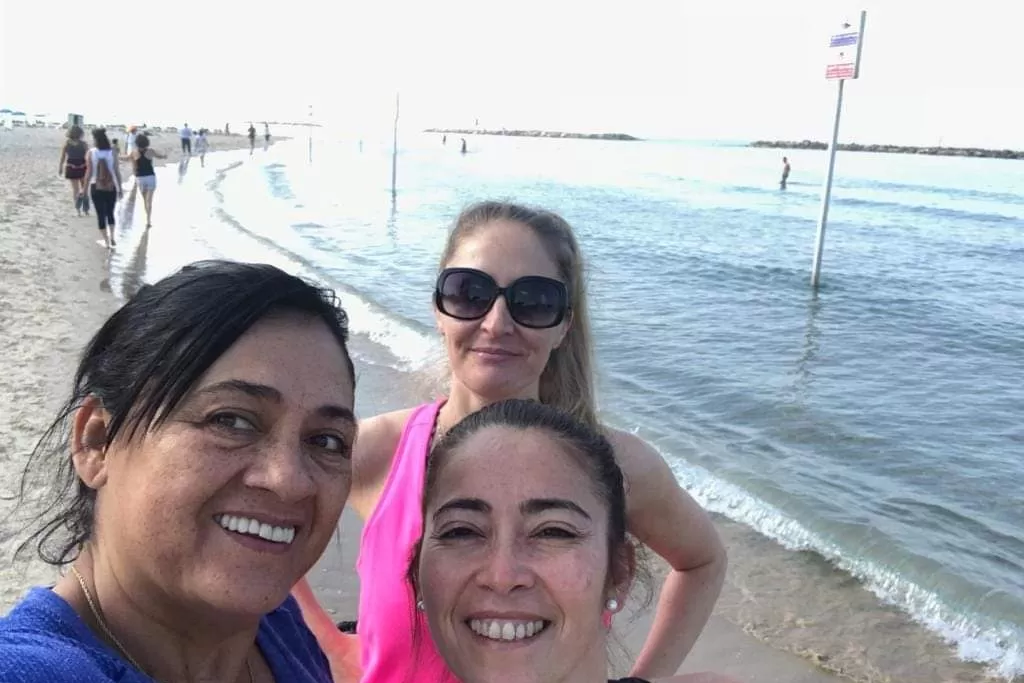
844 47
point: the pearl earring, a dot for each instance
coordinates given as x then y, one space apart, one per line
420 606
612 604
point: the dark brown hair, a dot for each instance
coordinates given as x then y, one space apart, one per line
100 139
142 363
587 446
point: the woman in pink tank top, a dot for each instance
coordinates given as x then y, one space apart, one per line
510 303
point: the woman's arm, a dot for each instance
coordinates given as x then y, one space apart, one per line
672 524
63 158
158 155
372 457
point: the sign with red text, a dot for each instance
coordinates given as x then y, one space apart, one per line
844 48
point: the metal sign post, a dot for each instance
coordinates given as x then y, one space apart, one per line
843 63
310 129
394 153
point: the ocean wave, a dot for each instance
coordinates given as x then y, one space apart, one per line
977 638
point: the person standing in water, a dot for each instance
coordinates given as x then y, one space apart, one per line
145 176
785 173
252 137
72 166
463 145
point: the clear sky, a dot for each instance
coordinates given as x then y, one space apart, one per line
727 69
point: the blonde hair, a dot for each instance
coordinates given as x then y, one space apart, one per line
567 381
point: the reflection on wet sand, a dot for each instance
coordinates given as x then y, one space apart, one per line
105 282
135 268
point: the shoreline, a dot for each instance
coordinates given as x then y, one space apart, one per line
974 152
534 134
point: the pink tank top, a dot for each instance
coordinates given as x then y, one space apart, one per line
394 636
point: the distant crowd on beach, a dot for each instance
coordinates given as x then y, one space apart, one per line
93 171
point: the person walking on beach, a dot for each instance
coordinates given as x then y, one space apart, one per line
129 140
463 145
266 132
145 175
785 173
202 146
186 140
252 137
104 178
72 167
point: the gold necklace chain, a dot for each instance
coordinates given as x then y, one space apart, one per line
103 625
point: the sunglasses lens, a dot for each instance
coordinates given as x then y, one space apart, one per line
465 295
537 302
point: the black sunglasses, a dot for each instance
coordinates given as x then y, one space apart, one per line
533 301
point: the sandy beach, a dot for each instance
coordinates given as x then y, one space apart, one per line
54 294
55 291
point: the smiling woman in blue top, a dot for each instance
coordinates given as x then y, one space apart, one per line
199 470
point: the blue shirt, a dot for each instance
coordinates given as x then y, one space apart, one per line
43 640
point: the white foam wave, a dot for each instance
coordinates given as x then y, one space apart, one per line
999 645
414 349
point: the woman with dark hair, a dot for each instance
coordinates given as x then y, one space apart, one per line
520 577
72 166
198 469
103 175
145 175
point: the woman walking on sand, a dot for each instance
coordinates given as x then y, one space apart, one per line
72 167
202 147
104 178
145 177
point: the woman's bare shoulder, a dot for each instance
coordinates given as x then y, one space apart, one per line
372 456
